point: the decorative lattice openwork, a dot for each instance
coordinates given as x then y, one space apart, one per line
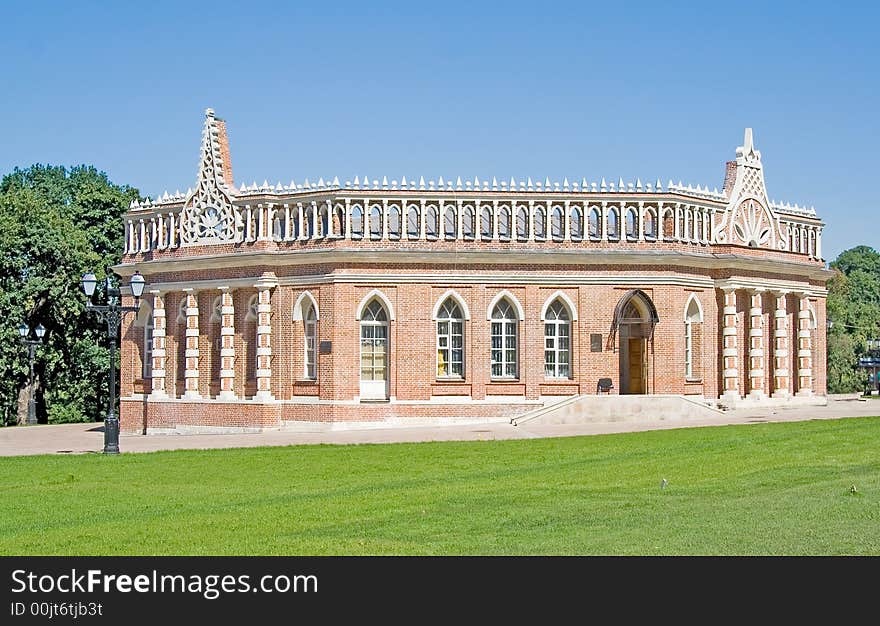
208 214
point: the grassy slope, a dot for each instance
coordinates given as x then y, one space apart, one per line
757 489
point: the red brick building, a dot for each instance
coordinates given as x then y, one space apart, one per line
392 300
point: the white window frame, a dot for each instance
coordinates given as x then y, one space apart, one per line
446 340
690 318
148 349
552 326
505 327
310 336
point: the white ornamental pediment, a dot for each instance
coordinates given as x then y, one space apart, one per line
748 219
209 215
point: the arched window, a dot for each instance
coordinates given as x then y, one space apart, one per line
540 223
217 310
277 228
450 340
145 319
339 221
650 224
450 224
357 222
504 223
577 224
486 222
412 222
374 342
613 224
467 219
394 221
325 221
557 223
375 222
504 340
148 348
251 315
692 318
310 328
294 223
595 231
557 341
432 225
181 310
522 223
632 224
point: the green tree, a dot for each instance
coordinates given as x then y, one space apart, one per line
55 224
854 310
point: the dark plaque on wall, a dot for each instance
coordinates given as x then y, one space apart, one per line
596 342
325 347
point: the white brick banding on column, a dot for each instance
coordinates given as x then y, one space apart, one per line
756 344
191 371
227 345
264 336
805 348
730 354
157 366
780 346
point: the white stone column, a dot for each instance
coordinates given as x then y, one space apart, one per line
227 345
331 215
756 345
566 221
641 221
780 346
264 337
805 348
604 221
157 366
729 353
191 371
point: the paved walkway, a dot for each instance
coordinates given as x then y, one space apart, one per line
83 438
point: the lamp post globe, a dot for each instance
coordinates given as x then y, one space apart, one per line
89 282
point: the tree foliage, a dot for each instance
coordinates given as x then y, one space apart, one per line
854 310
55 224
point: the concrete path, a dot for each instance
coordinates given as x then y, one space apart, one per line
84 438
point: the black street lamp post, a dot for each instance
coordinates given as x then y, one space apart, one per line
24 333
874 358
112 313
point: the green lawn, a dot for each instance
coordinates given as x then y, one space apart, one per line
756 489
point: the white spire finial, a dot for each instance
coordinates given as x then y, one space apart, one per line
748 142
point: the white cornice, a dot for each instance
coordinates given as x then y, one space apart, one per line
500 280
575 257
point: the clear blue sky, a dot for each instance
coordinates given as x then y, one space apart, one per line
613 89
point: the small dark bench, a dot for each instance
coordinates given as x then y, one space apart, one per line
605 385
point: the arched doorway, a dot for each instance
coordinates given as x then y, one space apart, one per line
634 320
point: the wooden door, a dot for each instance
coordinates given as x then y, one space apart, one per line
636 365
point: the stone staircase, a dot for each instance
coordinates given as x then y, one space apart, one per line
592 409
